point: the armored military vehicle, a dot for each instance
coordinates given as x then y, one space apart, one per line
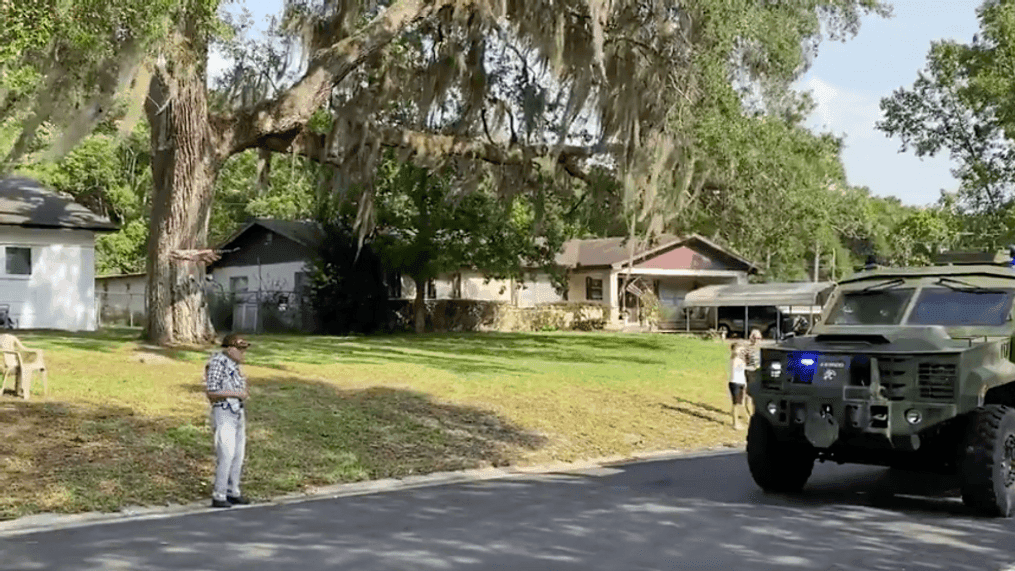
908 368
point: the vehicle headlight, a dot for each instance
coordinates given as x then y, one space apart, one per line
775 369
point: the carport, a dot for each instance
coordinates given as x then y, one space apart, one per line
778 295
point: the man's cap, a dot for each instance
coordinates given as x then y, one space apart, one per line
235 340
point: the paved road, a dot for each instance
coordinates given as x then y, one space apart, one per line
694 513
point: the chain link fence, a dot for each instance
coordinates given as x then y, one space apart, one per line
250 312
121 308
275 311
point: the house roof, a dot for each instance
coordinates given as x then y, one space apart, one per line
305 232
789 293
25 202
613 252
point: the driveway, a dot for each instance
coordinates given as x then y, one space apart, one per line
691 513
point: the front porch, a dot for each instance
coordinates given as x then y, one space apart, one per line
617 273
622 290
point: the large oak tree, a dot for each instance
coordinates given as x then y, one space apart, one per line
513 89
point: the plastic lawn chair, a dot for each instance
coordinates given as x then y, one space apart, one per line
16 361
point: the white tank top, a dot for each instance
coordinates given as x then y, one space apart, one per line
737 371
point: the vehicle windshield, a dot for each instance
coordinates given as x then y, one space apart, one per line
870 307
955 307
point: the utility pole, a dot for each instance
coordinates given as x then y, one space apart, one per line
817 258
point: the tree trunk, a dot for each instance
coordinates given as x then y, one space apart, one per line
184 166
419 305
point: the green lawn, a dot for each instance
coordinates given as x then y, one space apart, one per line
127 425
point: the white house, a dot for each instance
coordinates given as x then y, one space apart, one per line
47 275
536 289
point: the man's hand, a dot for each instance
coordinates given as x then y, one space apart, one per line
222 395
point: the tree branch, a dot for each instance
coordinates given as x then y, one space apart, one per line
312 146
328 66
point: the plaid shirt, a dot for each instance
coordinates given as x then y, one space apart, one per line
223 374
751 356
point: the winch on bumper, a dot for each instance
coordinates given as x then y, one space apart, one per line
841 400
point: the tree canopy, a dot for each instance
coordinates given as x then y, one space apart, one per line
506 92
961 103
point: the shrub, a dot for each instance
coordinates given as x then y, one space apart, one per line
348 291
650 313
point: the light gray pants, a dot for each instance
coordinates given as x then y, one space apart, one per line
230 430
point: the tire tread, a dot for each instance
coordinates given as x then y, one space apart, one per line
978 466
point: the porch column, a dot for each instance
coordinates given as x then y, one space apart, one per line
612 293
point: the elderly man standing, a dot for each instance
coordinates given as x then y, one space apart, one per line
226 388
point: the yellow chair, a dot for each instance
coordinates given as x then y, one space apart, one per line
15 361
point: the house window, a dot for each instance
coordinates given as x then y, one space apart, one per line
431 289
593 289
238 284
19 261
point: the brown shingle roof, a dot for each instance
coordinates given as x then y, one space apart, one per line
25 202
603 252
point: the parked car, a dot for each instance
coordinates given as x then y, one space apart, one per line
761 317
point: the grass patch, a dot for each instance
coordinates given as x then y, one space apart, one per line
127 424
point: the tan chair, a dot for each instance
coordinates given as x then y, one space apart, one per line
15 361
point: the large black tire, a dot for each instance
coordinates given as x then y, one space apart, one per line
988 462
775 465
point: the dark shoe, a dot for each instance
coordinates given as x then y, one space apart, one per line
221 504
237 500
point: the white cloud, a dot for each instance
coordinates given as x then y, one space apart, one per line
870 157
843 111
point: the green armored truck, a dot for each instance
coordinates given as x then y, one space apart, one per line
909 368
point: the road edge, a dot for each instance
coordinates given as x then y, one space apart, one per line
45 522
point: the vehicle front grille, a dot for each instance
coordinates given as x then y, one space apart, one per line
937 380
893 374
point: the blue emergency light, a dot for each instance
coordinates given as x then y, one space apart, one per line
801 366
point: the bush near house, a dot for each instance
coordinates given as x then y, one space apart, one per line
126 424
461 315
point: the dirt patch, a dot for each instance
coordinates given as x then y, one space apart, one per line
150 358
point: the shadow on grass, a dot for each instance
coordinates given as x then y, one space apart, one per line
691 412
109 339
63 457
701 405
460 353
465 352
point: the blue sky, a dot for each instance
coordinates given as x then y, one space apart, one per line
848 80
